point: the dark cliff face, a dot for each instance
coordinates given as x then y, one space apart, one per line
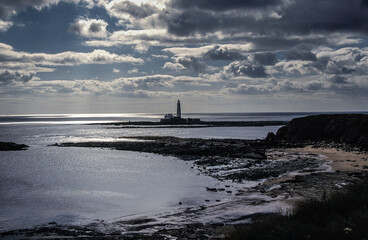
341 128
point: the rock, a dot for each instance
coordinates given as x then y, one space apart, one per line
211 189
195 225
10 146
217 224
271 137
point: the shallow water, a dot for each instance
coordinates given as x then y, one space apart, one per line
77 185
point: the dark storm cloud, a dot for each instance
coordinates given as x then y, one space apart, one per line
222 53
267 59
300 17
220 5
326 15
191 22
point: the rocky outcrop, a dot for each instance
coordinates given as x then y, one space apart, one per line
340 128
10 146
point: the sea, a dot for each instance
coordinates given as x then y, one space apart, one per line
77 186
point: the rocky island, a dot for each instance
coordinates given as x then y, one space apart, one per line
310 157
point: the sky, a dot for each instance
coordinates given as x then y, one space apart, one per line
120 56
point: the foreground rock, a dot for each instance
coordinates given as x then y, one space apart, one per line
10 146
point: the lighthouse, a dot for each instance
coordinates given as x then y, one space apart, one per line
170 119
178 110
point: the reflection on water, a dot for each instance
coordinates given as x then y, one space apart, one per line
48 183
121 117
77 185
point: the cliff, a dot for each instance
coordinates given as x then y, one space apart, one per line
340 128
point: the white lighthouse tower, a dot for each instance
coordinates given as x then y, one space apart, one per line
178 110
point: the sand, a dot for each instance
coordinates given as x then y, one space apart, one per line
338 160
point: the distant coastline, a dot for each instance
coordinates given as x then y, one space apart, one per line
195 124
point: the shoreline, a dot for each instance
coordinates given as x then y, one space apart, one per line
282 174
311 180
305 176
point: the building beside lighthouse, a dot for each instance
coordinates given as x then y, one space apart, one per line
170 118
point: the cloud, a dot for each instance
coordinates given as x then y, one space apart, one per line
174 66
8 77
219 5
202 50
300 16
246 89
9 8
133 70
336 79
144 83
296 67
89 28
186 63
301 53
222 53
5 25
127 9
244 68
264 58
159 56
22 66
97 56
344 60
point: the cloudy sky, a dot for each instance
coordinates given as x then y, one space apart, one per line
91 56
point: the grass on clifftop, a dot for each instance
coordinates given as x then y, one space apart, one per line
343 215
